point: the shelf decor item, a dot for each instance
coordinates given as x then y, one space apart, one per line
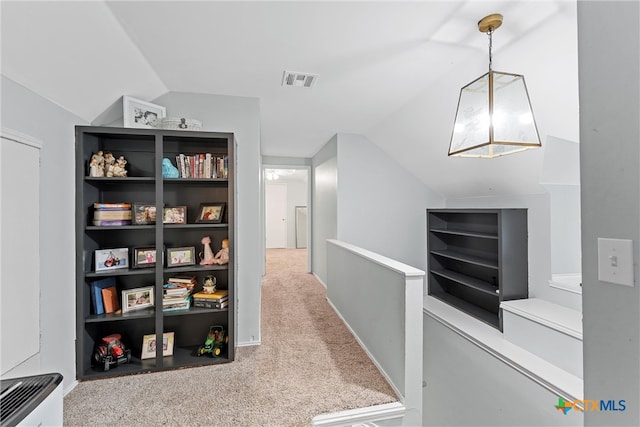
111 259
180 123
177 257
211 212
144 213
141 114
149 345
174 215
137 299
494 115
144 257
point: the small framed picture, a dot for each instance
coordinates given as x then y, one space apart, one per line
177 257
149 345
137 299
141 114
111 259
211 212
174 215
144 213
144 257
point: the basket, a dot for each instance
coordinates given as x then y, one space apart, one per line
175 123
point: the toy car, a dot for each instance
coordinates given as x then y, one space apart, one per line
110 351
216 339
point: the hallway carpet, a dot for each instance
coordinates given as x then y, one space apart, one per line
307 364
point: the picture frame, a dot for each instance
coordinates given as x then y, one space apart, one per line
144 213
141 114
212 212
149 345
177 257
111 259
137 299
174 215
144 257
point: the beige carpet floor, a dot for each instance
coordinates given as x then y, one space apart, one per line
308 364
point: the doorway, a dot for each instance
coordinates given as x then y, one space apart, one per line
286 215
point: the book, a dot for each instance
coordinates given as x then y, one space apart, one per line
111 223
112 205
207 165
111 215
96 293
219 295
183 304
110 299
198 303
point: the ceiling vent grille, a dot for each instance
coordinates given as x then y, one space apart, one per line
295 79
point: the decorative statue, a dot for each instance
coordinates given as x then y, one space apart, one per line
118 168
109 162
168 170
209 285
96 165
222 257
207 256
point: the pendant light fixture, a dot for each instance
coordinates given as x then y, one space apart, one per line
494 115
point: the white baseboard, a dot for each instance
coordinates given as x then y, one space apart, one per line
71 387
248 343
360 416
320 280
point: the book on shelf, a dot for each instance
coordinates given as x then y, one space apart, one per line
106 206
183 304
202 303
111 215
111 223
110 299
96 288
183 281
202 165
219 295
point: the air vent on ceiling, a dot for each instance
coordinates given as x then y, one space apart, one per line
292 78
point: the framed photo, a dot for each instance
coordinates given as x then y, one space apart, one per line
174 215
177 257
149 345
211 212
144 213
111 259
141 114
144 257
137 299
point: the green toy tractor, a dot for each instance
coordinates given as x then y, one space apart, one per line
216 339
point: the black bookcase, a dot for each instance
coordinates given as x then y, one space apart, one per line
144 150
478 258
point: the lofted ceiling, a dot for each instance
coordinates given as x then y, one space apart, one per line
389 70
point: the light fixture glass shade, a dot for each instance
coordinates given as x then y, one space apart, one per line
494 117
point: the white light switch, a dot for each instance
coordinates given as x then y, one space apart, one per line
615 261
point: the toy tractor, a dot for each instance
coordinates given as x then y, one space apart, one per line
216 339
111 351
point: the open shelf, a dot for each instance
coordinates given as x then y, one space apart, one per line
464 233
479 285
459 256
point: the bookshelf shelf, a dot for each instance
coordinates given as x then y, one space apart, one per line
144 150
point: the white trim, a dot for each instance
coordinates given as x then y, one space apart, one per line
556 317
20 138
366 350
71 387
547 375
320 280
361 415
248 343
567 282
389 263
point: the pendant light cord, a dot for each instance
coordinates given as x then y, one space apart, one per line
490 34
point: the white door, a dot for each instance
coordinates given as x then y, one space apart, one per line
276 215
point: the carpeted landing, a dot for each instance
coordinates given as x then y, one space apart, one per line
307 364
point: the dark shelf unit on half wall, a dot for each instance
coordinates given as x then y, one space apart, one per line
478 258
144 150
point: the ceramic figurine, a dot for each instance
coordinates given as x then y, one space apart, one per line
119 167
109 162
168 170
222 257
207 255
209 285
96 165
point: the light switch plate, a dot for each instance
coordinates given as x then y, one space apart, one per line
615 261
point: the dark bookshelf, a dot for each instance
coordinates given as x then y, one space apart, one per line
144 150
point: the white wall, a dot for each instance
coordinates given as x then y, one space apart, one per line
30 114
241 116
296 196
324 199
609 54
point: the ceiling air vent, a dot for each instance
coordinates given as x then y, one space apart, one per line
292 78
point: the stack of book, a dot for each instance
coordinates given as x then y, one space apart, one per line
104 296
177 293
111 214
204 165
218 299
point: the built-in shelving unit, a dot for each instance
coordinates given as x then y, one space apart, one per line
144 150
478 258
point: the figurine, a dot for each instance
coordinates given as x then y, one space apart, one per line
209 285
168 170
222 257
118 168
215 341
96 165
109 162
207 256
111 351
